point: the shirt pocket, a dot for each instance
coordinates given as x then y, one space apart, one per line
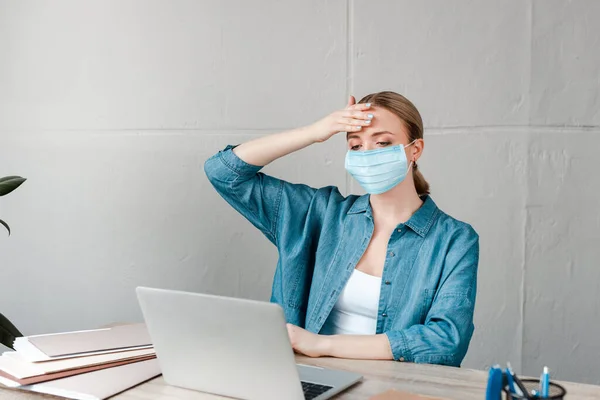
428 295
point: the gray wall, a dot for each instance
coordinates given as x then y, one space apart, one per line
109 108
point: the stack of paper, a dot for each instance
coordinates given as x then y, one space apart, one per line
93 364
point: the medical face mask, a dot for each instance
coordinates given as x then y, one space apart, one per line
379 170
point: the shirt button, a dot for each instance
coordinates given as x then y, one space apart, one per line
388 282
391 254
399 230
384 315
401 358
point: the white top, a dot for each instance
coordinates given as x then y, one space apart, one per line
355 312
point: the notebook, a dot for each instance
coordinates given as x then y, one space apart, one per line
14 364
96 385
83 343
63 374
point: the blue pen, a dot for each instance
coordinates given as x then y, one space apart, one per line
545 382
494 384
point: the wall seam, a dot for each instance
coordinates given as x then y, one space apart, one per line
349 69
526 190
540 129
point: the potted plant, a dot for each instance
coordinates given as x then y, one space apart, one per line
8 332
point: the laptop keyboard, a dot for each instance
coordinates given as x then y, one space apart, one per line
312 390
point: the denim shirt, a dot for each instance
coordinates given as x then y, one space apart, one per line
429 277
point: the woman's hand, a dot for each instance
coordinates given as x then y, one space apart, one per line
307 343
350 119
263 150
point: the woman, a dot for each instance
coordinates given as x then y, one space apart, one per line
386 275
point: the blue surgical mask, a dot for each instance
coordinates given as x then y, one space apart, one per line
379 170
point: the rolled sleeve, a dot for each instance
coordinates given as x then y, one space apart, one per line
225 162
399 346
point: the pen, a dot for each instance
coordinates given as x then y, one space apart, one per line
545 383
511 381
494 385
522 387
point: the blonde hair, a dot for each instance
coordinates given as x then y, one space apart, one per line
410 117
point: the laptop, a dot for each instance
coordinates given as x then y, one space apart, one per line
231 347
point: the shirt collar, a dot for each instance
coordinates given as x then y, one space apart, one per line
420 221
360 205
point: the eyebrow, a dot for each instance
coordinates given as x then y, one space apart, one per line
355 136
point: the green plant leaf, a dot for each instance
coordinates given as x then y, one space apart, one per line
10 183
4 224
8 332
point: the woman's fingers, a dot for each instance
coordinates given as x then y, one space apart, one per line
357 114
360 107
353 121
350 128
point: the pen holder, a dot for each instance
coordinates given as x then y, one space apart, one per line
556 392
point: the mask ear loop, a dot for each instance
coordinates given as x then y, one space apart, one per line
411 143
410 166
412 161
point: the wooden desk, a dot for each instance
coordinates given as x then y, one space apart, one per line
379 376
